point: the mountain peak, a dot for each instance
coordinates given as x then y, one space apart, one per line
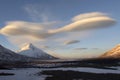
118 46
28 46
32 51
115 52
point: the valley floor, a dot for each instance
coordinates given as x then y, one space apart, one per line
70 70
80 73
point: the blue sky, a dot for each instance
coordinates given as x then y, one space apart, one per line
59 13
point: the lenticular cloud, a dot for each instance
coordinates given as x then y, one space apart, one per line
36 30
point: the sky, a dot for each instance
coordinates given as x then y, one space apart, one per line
65 28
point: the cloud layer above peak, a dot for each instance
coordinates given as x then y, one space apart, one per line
87 21
40 31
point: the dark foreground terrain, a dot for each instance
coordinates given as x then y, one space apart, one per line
92 69
75 75
5 74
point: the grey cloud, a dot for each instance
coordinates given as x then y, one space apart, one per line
86 48
71 42
80 48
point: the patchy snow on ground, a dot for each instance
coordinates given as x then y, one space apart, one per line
117 68
31 73
90 70
22 74
53 65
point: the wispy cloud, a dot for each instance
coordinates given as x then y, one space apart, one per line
71 42
95 48
44 46
80 48
86 49
37 12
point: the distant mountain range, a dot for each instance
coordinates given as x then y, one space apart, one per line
113 53
31 51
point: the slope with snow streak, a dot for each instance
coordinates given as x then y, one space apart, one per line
32 51
113 53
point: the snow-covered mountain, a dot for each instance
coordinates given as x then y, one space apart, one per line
113 53
32 51
8 55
